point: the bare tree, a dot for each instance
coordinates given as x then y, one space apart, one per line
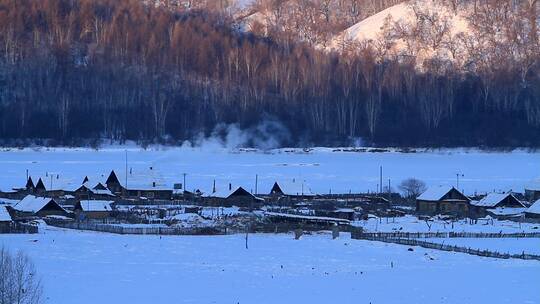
18 280
412 187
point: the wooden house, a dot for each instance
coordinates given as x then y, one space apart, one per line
285 192
498 205
238 197
443 200
533 211
139 187
93 209
30 184
113 184
5 219
40 187
38 206
93 188
341 213
532 190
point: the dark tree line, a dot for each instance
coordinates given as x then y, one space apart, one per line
117 69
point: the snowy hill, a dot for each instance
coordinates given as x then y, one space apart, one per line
372 27
423 29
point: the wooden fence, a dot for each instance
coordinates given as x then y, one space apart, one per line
15 227
391 238
120 229
117 229
426 235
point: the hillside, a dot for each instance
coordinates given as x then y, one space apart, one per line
468 35
170 72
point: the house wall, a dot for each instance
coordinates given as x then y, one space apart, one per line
532 195
460 208
427 207
43 213
532 215
151 194
453 207
93 214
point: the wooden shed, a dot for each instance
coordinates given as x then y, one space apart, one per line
238 197
443 200
93 209
533 211
38 206
497 204
5 219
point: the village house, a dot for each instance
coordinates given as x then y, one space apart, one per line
533 211
532 190
285 192
38 206
5 219
443 200
340 213
227 198
93 209
500 205
96 189
141 186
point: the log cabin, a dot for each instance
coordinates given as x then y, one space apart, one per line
443 200
38 206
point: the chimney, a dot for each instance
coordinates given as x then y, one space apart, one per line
230 186
214 187
153 184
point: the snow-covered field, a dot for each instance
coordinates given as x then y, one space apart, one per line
321 169
86 267
413 224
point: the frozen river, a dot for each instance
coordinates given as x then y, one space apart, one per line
321 169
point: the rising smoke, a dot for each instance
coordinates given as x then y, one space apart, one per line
266 135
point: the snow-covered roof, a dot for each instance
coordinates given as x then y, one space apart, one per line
102 192
219 193
8 201
435 193
492 199
4 214
344 210
56 182
144 179
535 208
32 203
96 205
295 188
227 193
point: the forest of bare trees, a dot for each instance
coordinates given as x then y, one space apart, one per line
120 69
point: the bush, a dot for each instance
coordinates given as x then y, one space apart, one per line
19 282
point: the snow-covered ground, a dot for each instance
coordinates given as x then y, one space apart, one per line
86 267
321 169
503 245
413 224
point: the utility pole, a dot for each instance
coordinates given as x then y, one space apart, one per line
389 190
256 183
126 179
381 181
185 189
